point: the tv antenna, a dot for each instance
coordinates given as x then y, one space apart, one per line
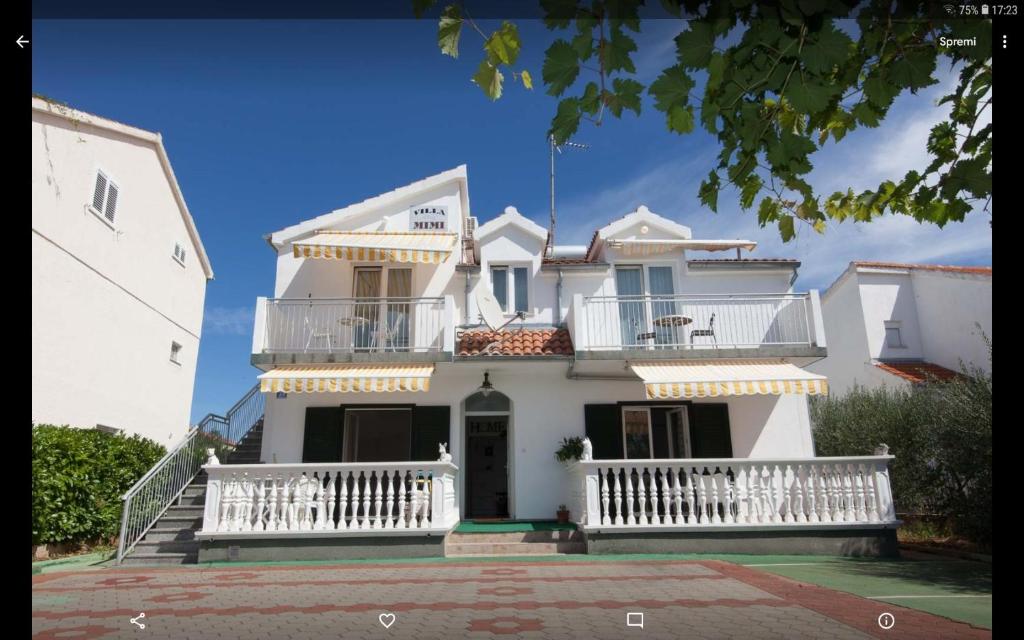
550 247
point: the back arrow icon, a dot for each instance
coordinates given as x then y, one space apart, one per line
21 42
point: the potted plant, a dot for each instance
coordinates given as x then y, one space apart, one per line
563 514
571 449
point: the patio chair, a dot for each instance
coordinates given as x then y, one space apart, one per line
705 333
389 335
317 334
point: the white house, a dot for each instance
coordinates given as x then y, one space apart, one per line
397 405
118 278
899 324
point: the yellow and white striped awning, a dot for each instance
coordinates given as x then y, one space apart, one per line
347 378
378 246
711 378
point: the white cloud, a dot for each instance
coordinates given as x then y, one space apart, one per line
228 320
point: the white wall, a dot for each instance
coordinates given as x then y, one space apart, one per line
108 302
948 306
848 358
889 297
546 407
298 277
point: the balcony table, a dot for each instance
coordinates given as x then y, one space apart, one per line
674 321
354 322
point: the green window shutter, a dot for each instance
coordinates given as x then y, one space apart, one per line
324 434
604 428
659 432
430 426
709 431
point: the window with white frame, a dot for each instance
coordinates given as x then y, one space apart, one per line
893 337
179 253
175 353
511 287
104 197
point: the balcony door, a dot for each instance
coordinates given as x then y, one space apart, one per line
381 323
648 291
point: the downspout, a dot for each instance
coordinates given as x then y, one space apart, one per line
558 299
465 314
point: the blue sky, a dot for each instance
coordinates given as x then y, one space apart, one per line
269 123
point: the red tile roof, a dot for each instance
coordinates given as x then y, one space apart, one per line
793 260
517 342
987 271
917 371
565 261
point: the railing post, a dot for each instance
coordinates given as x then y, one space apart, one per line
886 507
211 510
577 330
592 496
259 331
448 315
438 517
125 508
818 319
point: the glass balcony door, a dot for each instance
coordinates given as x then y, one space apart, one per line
382 323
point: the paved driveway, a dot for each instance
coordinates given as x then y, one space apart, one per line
479 599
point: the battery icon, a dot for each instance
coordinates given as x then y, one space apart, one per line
984 9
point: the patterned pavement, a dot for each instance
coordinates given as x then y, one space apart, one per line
473 599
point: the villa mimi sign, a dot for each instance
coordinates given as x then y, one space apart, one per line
433 218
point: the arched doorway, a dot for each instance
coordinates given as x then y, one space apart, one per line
487 455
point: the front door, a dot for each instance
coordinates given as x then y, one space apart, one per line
487 478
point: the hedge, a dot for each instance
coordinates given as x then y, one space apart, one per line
78 478
941 436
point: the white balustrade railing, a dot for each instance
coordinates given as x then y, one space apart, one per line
738 492
695 321
370 497
351 325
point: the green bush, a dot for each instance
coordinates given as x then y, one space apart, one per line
941 435
78 478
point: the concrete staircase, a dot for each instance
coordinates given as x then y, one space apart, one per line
172 540
513 543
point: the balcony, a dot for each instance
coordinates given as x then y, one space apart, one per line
697 326
297 331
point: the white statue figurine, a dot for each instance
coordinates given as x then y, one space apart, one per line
442 448
588 450
211 456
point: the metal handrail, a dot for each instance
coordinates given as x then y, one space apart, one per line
150 497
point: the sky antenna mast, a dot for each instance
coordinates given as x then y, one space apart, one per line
550 247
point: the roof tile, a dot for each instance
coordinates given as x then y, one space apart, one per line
517 342
917 372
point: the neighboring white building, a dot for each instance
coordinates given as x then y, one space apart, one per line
897 324
685 374
118 278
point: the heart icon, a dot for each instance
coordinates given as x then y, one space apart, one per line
387 619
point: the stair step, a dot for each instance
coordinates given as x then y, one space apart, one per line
160 558
180 522
508 537
167 546
170 534
194 510
512 548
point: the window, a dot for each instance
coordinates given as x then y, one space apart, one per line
104 197
377 435
518 287
893 339
636 432
179 253
175 352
